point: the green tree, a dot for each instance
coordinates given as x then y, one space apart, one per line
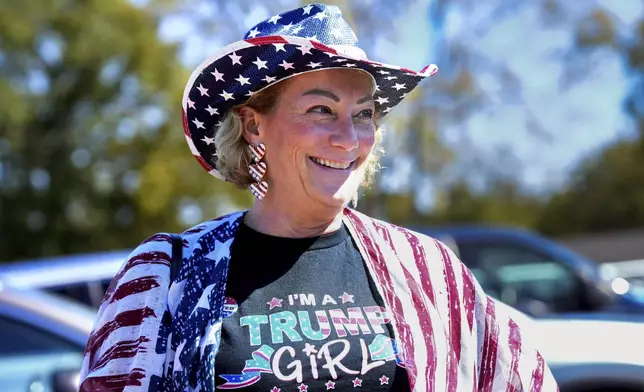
606 191
91 150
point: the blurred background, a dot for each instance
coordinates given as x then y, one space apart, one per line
525 154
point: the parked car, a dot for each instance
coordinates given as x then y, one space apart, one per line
42 342
631 270
83 277
539 276
588 355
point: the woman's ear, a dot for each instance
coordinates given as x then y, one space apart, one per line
250 124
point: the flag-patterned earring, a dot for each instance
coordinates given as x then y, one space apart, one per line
257 170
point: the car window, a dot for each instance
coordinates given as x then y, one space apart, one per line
33 359
522 277
22 339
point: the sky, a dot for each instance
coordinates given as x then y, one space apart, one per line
577 121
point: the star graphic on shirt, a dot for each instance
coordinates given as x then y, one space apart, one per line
276 389
309 349
357 382
346 297
303 387
330 385
384 380
274 303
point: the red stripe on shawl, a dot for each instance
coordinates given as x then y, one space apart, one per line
139 259
124 349
161 237
490 346
514 341
469 295
537 375
127 318
426 286
378 263
453 301
113 383
135 286
158 238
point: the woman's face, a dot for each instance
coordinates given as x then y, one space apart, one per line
319 137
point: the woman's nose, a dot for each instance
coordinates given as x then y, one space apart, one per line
345 136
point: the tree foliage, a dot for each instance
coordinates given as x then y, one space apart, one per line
91 149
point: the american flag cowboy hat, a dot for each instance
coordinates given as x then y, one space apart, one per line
310 38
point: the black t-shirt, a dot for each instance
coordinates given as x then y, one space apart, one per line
303 315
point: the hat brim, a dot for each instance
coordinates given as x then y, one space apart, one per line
236 72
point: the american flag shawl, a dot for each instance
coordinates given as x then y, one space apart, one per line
451 335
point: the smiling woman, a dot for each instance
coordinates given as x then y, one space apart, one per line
301 291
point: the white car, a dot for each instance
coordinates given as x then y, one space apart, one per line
42 341
589 355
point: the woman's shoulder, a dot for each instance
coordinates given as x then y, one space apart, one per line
214 229
154 253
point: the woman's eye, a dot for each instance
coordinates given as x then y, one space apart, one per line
320 110
367 113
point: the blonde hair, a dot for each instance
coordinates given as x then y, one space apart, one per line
233 155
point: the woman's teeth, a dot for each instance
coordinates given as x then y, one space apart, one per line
331 164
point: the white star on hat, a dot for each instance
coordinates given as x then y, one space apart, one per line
398 86
212 110
286 65
208 140
242 80
235 58
382 100
269 79
320 15
274 19
253 33
279 47
314 65
304 49
218 75
202 90
307 9
260 64
199 124
226 95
